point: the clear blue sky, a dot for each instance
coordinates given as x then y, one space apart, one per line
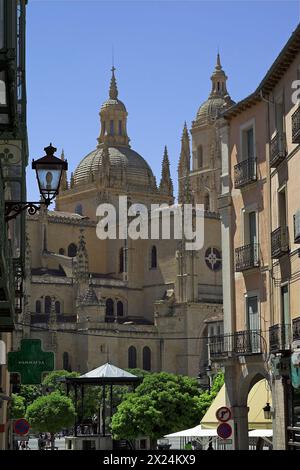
164 52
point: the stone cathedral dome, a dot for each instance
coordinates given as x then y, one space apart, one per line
123 160
113 159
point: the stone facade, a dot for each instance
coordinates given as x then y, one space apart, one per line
140 303
258 206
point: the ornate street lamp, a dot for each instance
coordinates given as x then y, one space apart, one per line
49 172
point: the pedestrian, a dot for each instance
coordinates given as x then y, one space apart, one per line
210 446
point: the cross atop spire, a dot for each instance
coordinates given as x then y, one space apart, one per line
113 90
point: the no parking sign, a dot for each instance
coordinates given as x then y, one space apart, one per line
21 426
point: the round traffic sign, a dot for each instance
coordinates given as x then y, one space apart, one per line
224 430
21 426
223 414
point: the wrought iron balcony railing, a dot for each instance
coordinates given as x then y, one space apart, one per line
296 126
247 257
296 329
239 344
245 173
277 149
279 337
279 242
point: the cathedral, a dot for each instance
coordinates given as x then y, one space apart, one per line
150 304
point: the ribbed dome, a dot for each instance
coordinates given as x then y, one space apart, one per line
115 104
209 110
122 159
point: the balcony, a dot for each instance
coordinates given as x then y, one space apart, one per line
277 149
240 343
296 329
279 242
245 173
247 257
296 126
279 338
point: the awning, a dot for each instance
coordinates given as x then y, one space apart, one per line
261 433
197 431
257 399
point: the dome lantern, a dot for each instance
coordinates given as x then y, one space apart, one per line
113 118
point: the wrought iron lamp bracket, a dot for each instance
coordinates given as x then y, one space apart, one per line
14 208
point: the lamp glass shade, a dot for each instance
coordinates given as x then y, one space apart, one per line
49 172
267 411
49 177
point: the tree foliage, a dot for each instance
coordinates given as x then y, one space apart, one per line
17 407
162 404
51 413
52 380
30 393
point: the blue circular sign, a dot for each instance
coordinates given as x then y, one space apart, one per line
21 426
224 430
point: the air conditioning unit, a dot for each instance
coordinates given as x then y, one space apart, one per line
297 227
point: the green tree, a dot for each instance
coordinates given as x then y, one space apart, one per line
17 407
52 381
162 404
51 413
30 393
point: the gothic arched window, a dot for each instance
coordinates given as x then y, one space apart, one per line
79 209
121 260
132 357
120 127
38 307
120 309
109 312
57 307
199 157
153 257
72 250
47 304
146 358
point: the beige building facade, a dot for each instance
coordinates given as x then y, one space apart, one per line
143 303
259 204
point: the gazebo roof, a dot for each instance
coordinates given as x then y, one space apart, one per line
105 374
108 371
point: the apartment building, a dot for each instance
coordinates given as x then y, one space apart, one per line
259 207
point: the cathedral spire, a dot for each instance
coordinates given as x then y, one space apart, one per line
82 261
105 166
113 90
184 162
166 185
64 178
